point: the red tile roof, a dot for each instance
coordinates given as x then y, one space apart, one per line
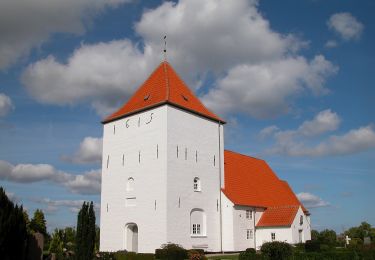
163 86
250 181
278 216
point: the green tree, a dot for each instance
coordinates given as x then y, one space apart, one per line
13 234
56 245
328 237
38 222
85 237
314 235
363 230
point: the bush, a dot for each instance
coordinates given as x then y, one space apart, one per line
171 252
276 250
249 254
196 254
312 246
124 255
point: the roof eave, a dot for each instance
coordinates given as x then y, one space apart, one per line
105 121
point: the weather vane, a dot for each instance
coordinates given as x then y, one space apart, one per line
165 47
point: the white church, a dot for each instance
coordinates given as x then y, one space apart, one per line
166 177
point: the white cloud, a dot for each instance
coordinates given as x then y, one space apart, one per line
331 44
27 24
346 25
90 151
226 38
268 131
72 205
311 201
5 105
87 183
324 121
264 90
354 141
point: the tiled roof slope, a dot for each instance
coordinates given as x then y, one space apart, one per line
163 86
278 216
250 181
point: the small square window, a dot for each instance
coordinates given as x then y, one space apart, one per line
249 214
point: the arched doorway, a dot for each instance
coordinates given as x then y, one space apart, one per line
131 237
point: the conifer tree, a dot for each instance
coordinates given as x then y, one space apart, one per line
38 222
13 234
85 237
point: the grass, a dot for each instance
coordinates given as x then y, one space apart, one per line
224 257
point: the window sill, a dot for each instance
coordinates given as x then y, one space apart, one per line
198 235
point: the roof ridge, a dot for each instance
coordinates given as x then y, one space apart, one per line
166 80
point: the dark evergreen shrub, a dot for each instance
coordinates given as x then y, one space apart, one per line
251 251
171 252
312 246
276 250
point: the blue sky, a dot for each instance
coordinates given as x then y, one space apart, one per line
293 79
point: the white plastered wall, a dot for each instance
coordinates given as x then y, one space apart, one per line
199 138
144 147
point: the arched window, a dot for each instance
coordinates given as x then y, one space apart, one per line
130 184
197 184
301 220
197 222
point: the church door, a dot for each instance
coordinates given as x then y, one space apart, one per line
132 237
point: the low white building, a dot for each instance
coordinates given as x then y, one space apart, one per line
166 178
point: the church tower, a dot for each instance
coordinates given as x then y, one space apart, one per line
162 170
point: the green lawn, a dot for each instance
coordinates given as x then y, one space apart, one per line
223 257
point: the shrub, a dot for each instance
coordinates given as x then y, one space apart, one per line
171 252
196 254
251 251
312 246
276 250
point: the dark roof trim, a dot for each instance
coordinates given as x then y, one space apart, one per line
158 105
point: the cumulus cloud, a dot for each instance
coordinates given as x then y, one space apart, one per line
72 205
346 25
264 90
217 36
324 121
90 151
87 183
268 131
294 142
5 105
27 24
311 201
331 44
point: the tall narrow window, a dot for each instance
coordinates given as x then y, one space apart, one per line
197 184
273 236
214 160
196 156
177 151
249 234
157 151
130 184
198 222
107 161
114 129
301 220
123 159
185 153
139 156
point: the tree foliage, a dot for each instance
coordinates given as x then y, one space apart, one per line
363 230
38 222
276 250
13 232
85 237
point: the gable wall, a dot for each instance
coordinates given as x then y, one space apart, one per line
193 134
149 173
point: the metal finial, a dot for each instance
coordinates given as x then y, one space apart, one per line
165 47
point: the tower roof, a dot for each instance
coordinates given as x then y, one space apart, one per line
163 86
